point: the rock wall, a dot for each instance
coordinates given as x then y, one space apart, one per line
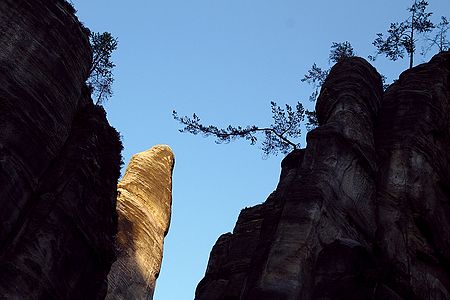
59 159
363 211
144 209
413 184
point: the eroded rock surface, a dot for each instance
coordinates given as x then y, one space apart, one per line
144 209
413 184
363 211
59 159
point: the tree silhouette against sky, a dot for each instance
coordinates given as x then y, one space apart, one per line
278 137
403 37
101 76
439 40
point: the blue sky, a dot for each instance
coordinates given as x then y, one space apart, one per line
224 60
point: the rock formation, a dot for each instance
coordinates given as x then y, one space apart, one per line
144 209
59 159
364 211
413 182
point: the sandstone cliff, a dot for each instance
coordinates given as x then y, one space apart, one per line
60 159
144 209
363 212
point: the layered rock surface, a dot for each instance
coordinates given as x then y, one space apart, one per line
144 208
60 159
413 184
363 211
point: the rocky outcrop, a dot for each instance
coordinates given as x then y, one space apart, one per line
60 159
363 211
413 183
144 209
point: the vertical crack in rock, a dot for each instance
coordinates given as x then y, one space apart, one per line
144 209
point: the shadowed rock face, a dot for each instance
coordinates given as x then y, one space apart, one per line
363 211
59 159
413 195
144 209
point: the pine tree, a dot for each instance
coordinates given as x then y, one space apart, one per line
100 75
403 37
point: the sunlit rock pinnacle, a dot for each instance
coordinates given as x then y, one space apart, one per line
144 208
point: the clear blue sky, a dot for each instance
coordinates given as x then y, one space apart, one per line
225 60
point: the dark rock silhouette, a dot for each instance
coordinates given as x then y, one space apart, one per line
364 211
60 159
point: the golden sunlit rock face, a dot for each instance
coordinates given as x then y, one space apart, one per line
144 208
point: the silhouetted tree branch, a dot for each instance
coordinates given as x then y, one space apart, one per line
278 137
439 40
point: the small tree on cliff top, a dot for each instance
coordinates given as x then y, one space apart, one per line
402 37
100 75
316 76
